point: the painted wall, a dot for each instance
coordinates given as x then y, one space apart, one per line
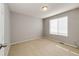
73 27
4 28
1 28
24 27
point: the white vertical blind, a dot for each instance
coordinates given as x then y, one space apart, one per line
62 26
59 26
53 26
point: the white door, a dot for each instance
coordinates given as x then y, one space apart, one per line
4 30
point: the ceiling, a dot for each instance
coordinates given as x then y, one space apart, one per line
34 9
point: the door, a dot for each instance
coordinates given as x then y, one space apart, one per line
4 30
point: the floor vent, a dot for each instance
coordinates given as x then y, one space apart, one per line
61 42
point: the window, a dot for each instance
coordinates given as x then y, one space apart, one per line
53 26
59 26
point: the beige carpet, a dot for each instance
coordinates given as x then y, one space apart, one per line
42 47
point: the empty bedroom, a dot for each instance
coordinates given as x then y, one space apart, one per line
39 29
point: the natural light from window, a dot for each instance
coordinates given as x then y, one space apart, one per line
59 26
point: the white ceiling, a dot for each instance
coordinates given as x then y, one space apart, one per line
33 9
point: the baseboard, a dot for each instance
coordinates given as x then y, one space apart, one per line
25 40
62 42
70 45
7 50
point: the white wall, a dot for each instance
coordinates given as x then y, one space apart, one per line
5 26
73 27
24 27
1 28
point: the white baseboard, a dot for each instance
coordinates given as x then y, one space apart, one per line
6 52
13 43
70 45
62 42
